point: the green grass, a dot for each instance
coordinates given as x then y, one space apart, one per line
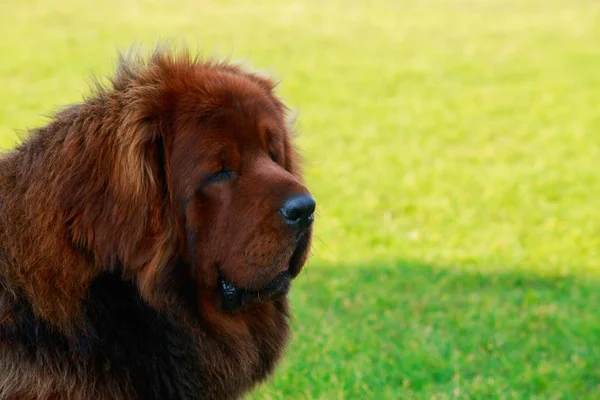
453 148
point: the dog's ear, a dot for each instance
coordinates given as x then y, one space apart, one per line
145 145
156 250
117 194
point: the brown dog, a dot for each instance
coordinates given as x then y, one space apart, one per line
148 238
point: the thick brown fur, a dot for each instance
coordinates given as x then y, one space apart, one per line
116 228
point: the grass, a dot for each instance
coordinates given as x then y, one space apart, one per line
453 148
405 331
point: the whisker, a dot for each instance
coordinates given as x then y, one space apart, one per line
320 240
306 272
327 248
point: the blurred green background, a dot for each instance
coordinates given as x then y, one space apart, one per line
453 148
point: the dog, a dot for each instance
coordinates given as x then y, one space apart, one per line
149 237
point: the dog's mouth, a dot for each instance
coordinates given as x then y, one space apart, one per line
234 298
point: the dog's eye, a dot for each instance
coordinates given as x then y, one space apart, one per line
273 157
221 176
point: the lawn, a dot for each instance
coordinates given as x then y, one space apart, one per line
453 147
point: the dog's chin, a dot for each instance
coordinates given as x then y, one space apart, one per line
234 298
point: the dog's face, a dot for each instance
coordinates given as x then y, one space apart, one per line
246 215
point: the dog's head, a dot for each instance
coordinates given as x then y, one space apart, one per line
203 183
246 215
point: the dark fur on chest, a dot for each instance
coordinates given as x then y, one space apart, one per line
122 340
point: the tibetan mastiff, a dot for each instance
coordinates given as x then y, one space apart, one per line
149 236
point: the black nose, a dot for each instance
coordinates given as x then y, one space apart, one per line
298 210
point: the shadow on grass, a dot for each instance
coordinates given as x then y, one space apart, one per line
403 330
